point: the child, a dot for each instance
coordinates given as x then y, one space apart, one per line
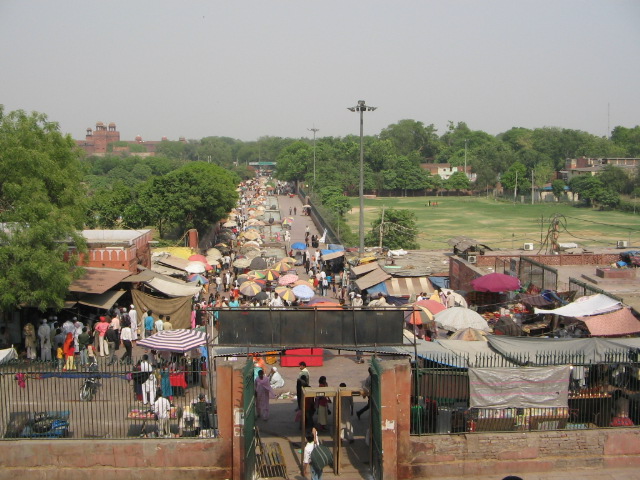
60 356
69 352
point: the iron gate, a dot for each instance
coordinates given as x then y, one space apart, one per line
376 419
249 431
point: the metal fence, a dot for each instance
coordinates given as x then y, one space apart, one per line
42 400
535 273
600 395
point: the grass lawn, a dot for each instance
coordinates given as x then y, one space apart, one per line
500 224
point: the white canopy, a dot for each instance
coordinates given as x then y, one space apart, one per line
589 305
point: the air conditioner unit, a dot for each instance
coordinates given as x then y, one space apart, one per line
622 244
527 246
472 259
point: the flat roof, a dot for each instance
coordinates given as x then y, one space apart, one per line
113 236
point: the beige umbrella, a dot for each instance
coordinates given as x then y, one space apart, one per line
251 243
251 235
230 224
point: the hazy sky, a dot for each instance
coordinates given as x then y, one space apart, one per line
246 68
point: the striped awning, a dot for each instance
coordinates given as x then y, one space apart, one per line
180 340
406 286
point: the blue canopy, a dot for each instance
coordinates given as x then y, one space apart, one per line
298 246
379 288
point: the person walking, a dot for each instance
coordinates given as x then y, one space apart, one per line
111 337
322 406
101 327
133 319
346 412
148 324
44 334
126 335
264 393
312 442
84 339
367 393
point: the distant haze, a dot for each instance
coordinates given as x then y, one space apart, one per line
246 69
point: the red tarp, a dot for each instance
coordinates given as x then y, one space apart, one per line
620 322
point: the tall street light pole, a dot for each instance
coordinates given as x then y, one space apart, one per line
314 130
362 107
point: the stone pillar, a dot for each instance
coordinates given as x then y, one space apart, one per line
229 387
395 413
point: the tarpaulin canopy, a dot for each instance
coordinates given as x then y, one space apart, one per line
362 269
332 255
102 300
620 322
406 286
377 289
98 280
457 318
179 308
495 282
589 305
372 278
534 350
529 387
173 261
173 289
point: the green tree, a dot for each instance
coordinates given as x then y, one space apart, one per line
457 181
294 161
515 177
616 179
398 229
627 138
410 136
558 188
588 187
196 195
41 209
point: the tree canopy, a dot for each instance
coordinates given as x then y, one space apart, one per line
395 229
41 210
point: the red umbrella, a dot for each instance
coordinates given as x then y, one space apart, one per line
495 282
198 258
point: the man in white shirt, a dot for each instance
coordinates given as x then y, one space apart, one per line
148 386
159 324
312 442
133 318
162 408
276 301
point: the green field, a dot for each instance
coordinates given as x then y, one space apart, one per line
503 225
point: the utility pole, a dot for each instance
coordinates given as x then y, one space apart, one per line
532 187
381 227
314 130
465 158
515 188
361 107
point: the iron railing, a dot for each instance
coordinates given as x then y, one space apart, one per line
42 400
601 395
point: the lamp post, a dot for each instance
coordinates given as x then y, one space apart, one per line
465 158
314 130
361 107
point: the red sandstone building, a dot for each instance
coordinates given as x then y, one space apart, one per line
97 142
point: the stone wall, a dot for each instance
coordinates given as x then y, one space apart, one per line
148 459
501 454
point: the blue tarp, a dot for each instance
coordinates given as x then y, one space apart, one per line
379 288
439 282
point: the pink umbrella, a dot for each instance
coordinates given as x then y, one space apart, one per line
431 305
198 258
495 282
287 279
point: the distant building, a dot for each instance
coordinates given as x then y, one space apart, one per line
592 166
97 142
445 170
